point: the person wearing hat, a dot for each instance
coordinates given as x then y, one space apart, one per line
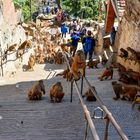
88 45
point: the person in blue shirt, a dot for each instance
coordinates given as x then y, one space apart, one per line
74 43
88 45
64 30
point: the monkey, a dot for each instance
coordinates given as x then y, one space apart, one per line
104 59
92 64
59 59
123 53
31 62
12 47
123 76
108 72
134 76
65 48
36 91
56 92
66 74
79 63
126 92
117 87
40 58
136 101
89 95
25 44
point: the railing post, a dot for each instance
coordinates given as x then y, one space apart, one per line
81 86
106 128
86 130
71 90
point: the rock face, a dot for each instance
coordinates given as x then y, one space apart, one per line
10 33
129 32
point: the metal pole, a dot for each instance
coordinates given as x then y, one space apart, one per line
82 86
111 118
71 90
86 130
106 129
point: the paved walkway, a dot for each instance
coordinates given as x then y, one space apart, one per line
41 120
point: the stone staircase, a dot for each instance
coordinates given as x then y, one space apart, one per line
43 120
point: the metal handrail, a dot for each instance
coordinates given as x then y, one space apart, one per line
87 113
109 115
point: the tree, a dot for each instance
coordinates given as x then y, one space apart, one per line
26 7
81 8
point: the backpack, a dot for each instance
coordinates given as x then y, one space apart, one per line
88 44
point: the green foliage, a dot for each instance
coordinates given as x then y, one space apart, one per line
81 8
25 6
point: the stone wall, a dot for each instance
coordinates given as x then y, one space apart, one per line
10 33
129 32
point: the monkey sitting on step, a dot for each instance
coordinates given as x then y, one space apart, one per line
66 74
108 72
56 92
36 91
89 95
93 63
31 62
125 92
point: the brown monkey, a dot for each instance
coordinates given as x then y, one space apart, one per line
66 74
56 92
108 72
59 59
36 91
89 95
117 89
25 44
12 47
134 76
79 63
92 64
31 62
123 53
124 91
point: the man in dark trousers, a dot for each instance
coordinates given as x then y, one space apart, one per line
74 43
88 45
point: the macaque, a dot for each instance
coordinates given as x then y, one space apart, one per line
66 74
25 44
56 92
123 53
108 72
36 91
92 64
31 62
79 63
59 59
125 92
117 87
89 95
12 47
